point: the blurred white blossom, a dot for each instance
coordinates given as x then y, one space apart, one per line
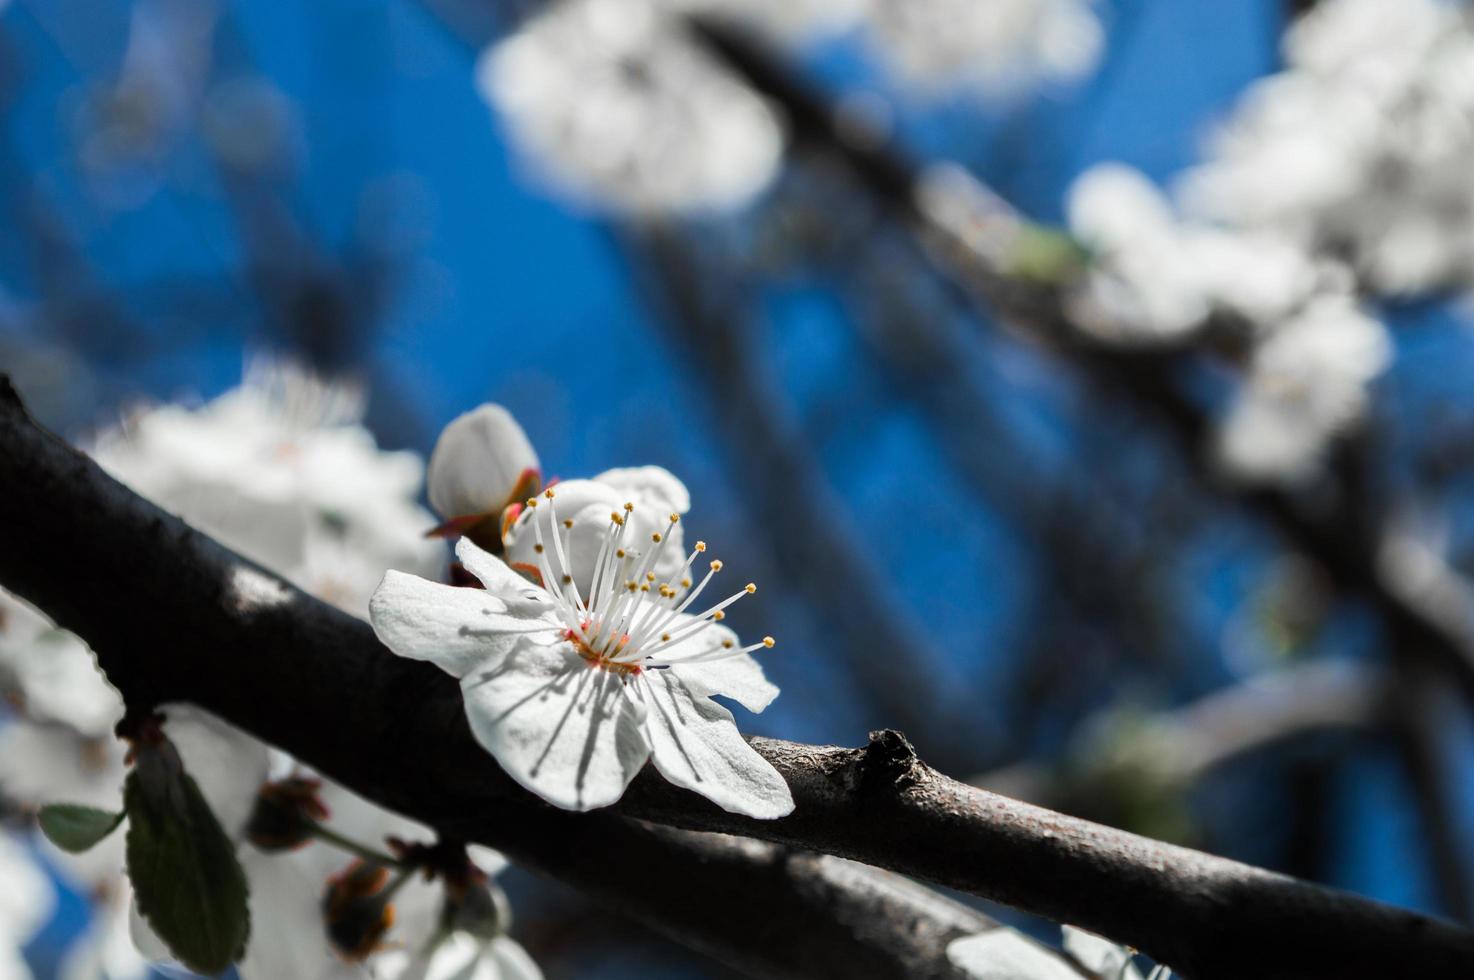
26 902
1005 954
281 470
52 673
1306 382
1156 276
998 46
615 105
1362 146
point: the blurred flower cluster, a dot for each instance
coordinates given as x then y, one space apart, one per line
1341 177
620 105
282 470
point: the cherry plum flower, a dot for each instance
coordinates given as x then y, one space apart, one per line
572 685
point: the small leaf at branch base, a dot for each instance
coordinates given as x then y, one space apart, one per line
186 879
75 828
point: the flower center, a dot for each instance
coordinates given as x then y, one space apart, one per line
603 659
630 621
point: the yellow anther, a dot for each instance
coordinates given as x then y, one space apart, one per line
664 637
628 507
619 553
649 576
532 502
567 579
655 537
701 546
726 644
716 565
675 518
548 493
537 548
617 519
750 588
718 616
632 586
685 583
768 642
568 523
644 588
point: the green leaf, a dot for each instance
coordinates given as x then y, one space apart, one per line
186 879
75 828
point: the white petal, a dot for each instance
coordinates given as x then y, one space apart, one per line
695 744
43 763
521 596
287 934
561 728
228 764
512 961
653 484
1003 954
456 957
489 861
1098 954
739 678
106 950
588 504
28 898
456 629
145 940
477 461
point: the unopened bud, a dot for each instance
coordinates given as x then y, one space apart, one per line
356 910
481 462
286 814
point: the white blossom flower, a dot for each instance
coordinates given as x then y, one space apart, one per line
1006 954
1000 46
26 903
105 950
277 469
572 689
1362 145
1306 382
482 462
460 956
1155 276
53 673
619 108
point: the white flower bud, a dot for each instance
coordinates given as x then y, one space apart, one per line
478 461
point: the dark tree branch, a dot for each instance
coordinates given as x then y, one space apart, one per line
174 616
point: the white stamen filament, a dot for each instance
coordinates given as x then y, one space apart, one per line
627 617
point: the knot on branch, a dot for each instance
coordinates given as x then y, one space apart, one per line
890 763
9 397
